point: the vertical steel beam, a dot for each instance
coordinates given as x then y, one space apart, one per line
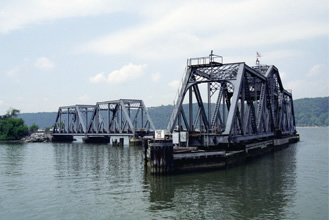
141 117
243 110
224 104
68 120
60 129
237 90
209 103
128 120
201 106
86 118
108 115
148 116
191 126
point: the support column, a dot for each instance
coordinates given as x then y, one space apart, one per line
190 110
209 103
96 139
62 138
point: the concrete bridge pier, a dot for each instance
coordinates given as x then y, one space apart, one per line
96 139
62 138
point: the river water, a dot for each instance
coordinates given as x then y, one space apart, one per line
96 181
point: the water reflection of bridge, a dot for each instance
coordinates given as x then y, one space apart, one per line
123 117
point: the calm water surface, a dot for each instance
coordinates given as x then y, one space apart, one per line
87 181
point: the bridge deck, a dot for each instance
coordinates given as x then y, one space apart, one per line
93 134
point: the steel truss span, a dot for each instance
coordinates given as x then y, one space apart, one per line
126 117
240 103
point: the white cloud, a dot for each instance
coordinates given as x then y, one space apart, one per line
13 72
308 88
155 77
280 54
174 84
316 84
196 26
283 75
316 70
295 85
162 35
98 78
126 73
267 57
44 63
83 98
20 14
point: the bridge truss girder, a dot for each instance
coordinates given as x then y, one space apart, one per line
120 117
250 103
73 119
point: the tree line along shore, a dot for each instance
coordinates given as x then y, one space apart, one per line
309 112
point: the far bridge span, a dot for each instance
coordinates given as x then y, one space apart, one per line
123 117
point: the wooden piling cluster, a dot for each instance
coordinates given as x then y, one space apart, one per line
161 157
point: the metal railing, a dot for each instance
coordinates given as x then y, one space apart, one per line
205 60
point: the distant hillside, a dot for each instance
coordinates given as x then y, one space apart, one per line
308 112
42 119
160 115
312 111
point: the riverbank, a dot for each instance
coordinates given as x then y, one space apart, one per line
37 137
312 127
11 141
34 137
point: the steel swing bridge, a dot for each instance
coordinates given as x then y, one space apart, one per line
250 103
124 117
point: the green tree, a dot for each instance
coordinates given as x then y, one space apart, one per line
14 112
33 128
12 128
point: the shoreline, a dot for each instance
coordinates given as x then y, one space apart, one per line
11 141
312 127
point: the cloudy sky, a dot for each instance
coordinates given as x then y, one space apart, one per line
65 52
